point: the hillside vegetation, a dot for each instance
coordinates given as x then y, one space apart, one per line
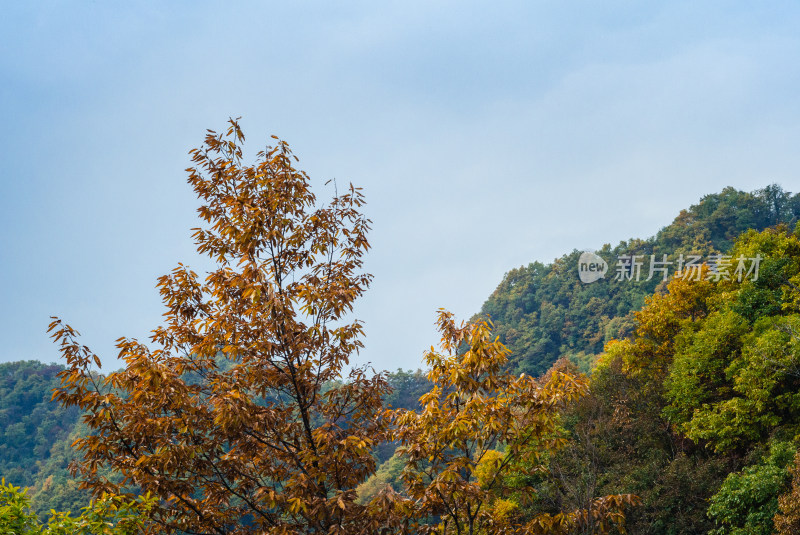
543 312
688 420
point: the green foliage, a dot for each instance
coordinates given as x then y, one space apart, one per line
406 389
55 487
709 377
15 515
386 477
764 392
619 443
107 516
736 374
698 368
35 436
748 500
30 424
543 312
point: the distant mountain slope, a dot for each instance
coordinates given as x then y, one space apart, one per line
543 311
30 424
36 433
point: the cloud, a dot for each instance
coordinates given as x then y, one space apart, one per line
476 131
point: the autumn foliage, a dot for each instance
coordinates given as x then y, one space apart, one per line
479 425
237 416
227 418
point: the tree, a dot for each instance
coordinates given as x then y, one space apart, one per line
476 427
787 520
747 501
110 515
236 420
734 377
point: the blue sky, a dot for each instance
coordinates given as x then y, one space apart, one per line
485 135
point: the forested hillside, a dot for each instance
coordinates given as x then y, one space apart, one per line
36 434
696 411
699 411
688 420
543 311
30 424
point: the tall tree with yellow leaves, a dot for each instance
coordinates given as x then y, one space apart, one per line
478 426
228 416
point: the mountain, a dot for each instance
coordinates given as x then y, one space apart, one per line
35 436
30 424
543 311
698 410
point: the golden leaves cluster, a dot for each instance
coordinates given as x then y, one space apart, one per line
476 427
230 418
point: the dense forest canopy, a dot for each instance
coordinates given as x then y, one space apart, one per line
29 422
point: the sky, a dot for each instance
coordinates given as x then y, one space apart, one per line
486 135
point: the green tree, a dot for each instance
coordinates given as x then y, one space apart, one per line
735 375
106 516
748 500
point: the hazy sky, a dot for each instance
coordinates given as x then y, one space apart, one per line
485 135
